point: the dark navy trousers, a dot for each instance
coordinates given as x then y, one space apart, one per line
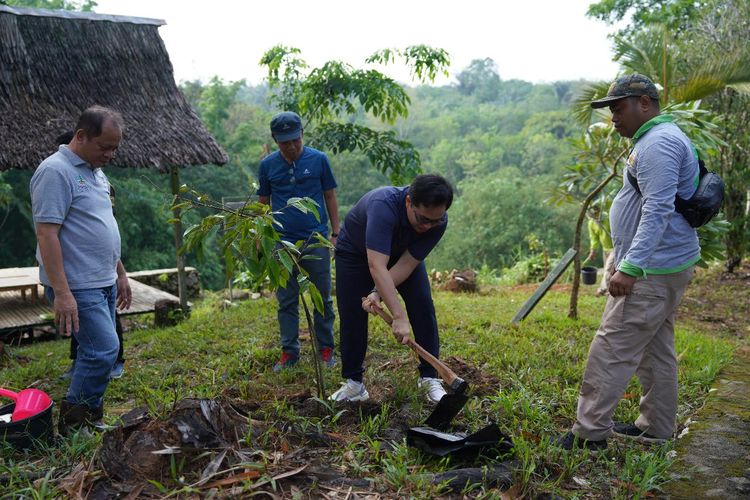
353 281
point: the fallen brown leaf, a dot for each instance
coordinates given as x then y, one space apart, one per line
512 493
530 437
243 476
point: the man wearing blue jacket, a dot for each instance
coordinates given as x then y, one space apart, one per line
655 252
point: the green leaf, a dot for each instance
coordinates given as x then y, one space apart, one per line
286 261
317 298
267 245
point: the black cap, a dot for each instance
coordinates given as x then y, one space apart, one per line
286 126
634 85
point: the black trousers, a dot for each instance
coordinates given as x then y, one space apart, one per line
353 281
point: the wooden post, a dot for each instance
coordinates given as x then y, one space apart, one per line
545 285
174 177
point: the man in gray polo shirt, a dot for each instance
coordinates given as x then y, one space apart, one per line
79 257
655 251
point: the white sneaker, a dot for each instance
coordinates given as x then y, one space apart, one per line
351 390
433 387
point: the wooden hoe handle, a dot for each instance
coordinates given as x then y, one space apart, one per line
451 379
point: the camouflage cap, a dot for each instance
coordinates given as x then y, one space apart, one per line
634 85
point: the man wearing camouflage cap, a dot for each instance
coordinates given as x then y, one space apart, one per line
655 251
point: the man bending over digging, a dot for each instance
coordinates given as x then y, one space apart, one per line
384 240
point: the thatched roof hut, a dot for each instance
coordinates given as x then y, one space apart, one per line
54 64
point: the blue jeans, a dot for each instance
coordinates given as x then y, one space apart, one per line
320 274
97 344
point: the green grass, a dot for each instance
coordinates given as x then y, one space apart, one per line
230 351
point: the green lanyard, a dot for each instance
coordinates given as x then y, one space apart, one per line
666 118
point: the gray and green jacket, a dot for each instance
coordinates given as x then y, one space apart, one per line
649 237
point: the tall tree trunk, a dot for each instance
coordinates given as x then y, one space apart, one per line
734 164
174 177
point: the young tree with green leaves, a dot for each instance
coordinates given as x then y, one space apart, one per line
328 98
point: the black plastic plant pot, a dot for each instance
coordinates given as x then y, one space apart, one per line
24 434
588 275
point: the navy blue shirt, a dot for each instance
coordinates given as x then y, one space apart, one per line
379 222
309 176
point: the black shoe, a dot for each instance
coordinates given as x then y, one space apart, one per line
117 370
79 417
568 441
630 431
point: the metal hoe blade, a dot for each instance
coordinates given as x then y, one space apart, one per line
446 410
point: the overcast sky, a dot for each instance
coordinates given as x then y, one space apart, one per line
534 40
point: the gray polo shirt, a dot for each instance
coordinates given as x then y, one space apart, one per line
66 191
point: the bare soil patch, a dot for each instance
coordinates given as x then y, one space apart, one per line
480 382
719 302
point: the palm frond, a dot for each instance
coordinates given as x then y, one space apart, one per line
582 110
697 87
742 88
712 77
642 57
648 54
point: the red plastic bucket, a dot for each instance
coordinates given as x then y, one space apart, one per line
29 402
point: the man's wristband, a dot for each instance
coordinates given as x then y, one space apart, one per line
374 290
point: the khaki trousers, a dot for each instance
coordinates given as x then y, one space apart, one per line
636 336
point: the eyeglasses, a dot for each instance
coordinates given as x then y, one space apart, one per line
426 221
292 180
